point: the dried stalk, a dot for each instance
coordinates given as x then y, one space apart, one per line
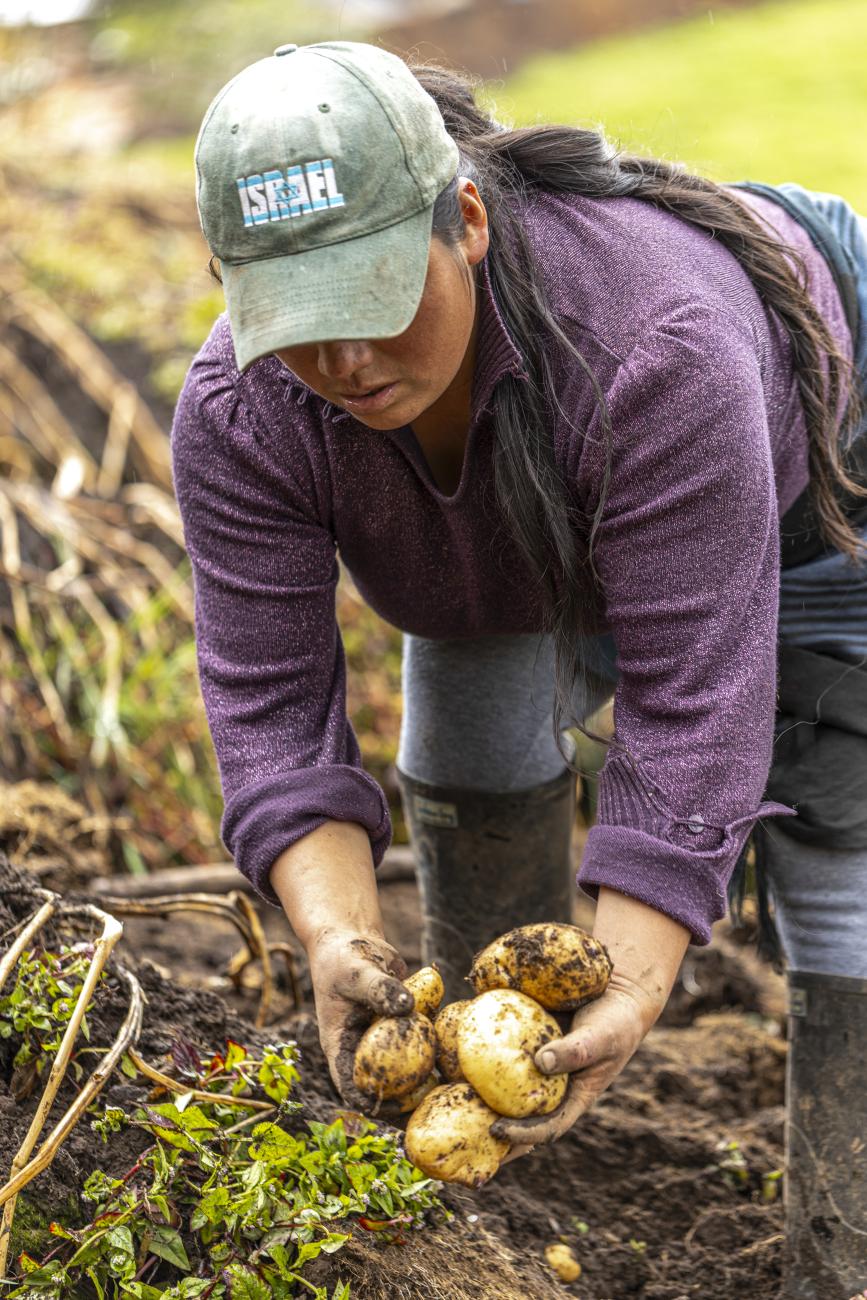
34 312
36 922
166 1081
261 949
11 554
111 932
41 418
234 907
127 1035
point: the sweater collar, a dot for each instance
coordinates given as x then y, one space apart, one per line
496 353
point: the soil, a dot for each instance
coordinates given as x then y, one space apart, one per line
636 1189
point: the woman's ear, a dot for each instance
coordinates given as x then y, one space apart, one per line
476 235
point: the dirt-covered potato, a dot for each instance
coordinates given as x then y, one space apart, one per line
449 1137
560 966
395 1055
446 1027
499 1034
415 1098
426 986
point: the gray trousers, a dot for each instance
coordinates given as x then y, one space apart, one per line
478 715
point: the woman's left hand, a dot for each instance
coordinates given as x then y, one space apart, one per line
646 948
604 1036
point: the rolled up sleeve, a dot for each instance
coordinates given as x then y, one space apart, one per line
687 553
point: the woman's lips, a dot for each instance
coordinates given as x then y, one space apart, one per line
376 400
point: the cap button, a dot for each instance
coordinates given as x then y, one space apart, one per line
284 49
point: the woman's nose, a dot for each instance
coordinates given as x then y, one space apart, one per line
341 358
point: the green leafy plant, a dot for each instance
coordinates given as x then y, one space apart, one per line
38 1008
216 1207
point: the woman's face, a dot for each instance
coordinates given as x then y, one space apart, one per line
387 383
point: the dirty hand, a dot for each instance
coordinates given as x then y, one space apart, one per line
604 1036
355 977
646 948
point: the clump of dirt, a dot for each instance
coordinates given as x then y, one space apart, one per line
658 1190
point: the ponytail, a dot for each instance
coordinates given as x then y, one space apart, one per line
505 164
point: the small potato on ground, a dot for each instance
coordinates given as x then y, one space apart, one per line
426 986
562 1260
498 1035
395 1055
446 1027
449 1137
560 966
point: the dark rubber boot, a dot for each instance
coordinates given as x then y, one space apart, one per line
826 1138
487 863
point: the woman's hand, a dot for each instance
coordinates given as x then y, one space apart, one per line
327 886
646 948
604 1035
355 977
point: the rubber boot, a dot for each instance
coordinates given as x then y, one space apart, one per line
487 863
826 1138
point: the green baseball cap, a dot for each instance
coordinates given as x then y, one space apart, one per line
317 170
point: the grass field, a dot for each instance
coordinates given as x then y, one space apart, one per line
773 93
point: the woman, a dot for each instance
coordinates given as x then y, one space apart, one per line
550 404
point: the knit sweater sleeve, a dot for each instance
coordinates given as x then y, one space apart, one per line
270 656
687 553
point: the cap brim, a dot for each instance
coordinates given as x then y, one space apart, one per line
364 288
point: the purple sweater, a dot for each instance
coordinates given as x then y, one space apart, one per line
709 449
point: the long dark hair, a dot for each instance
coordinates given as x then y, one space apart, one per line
508 163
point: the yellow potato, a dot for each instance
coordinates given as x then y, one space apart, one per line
449 1137
426 986
414 1099
446 1027
560 966
499 1034
395 1055
562 1260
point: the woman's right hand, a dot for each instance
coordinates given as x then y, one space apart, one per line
355 978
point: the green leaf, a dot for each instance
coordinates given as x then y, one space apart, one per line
128 1068
272 1143
328 1245
142 1291
306 1252
166 1242
244 1284
235 1054
97 1285
191 1120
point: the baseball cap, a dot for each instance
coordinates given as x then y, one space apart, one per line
316 174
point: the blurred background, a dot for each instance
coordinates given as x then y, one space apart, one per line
105 760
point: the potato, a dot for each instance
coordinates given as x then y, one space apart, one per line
446 1027
449 1137
499 1034
426 986
562 1260
413 1099
395 1055
560 966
